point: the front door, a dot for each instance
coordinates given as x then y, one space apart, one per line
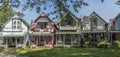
39 40
11 42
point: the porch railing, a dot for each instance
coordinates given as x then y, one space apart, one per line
68 27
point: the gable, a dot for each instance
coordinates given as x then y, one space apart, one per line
40 20
117 23
99 21
15 23
9 24
68 20
43 19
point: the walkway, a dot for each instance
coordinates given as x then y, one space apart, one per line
8 55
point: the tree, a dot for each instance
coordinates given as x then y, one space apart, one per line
59 6
118 2
6 12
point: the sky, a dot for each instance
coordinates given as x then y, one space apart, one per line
107 10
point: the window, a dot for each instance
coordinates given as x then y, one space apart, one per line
43 25
38 25
16 24
95 21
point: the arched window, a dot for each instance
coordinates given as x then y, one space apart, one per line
16 24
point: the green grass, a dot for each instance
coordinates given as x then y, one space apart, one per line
73 52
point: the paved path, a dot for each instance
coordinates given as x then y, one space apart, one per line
8 55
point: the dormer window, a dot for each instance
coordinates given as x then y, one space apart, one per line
16 24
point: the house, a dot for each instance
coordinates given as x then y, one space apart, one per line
43 31
14 32
115 28
68 33
94 28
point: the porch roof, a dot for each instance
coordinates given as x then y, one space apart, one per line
13 35
67 32
94 31
114 31
41 34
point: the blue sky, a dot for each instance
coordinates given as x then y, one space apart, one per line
107 10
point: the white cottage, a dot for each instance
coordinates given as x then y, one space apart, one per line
14 32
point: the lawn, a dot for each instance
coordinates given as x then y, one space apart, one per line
72 52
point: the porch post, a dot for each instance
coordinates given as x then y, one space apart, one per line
72 39
56 39
64 39
16 41
78 41
52 40
6 41
110 37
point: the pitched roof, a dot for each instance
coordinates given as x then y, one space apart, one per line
42 15
16 17
73 16
98 16
116 17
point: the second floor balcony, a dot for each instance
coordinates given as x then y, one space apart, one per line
68 27
10 30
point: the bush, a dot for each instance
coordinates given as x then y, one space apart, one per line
104 44
2 48
86 44
116 44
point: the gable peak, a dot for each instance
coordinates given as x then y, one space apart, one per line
15 16
43 14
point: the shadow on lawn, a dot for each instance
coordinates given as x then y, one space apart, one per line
57 52
73 52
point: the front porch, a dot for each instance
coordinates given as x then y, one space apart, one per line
13 41
43 40
67 40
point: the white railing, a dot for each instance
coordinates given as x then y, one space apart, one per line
13 33
10 29
41 32
68 27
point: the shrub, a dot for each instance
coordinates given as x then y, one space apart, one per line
86 44
104 44
2 48
116 44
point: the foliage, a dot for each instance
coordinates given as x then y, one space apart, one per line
86 44
58 7
6 12
116 44
104 44
2 48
